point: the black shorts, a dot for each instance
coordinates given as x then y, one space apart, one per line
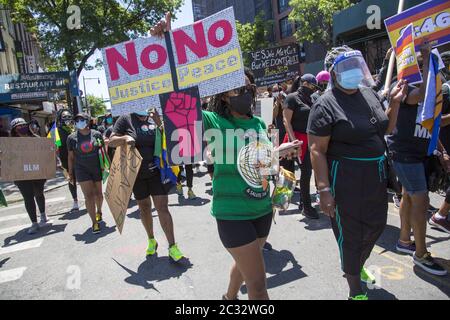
238 233
150 186
83 174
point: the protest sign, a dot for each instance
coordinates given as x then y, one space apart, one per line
182 113
407 65
264 109
205 54
431 21
27 159
275 65
122 176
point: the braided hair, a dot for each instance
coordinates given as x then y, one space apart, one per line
333 54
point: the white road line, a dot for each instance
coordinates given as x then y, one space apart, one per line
12 275
21 246
22 205
13 217
13 229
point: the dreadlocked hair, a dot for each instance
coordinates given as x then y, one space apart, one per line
218 105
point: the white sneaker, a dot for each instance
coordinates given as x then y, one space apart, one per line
75 206
396 201
33 229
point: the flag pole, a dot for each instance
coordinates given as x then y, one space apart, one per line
390 71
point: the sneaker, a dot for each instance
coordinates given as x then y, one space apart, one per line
175 253
406 248
191 194
310 212
179 189
33 229
44 220
267 246
152 247
96 228
362 297
441 224
367 276
75 206
99 216
428 264
396 199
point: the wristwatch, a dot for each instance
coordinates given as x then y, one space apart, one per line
327 189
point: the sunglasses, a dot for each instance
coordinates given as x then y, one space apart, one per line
247 88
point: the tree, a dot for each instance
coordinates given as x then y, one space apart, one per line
253 36
102 23
96 105
314 19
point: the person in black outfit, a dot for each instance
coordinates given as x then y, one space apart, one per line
346 129
31 190
296 112
83 146
139 130
64 123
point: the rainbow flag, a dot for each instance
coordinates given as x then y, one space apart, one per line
429 21
168 174
407 65
54 134
430 112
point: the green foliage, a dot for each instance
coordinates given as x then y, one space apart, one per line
253 36
97 106
315 19
103 23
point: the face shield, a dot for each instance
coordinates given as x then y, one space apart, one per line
351 71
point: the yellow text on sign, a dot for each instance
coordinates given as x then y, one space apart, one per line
141 89
425 27
217 66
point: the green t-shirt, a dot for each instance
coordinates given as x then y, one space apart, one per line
237 190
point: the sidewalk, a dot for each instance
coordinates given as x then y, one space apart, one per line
12 193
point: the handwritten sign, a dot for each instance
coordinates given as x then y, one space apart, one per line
275 65
27 159
122 176
205 54
431 21
407 65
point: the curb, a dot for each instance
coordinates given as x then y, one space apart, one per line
20 199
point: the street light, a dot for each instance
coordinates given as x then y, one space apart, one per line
85 93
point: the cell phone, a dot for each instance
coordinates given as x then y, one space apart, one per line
286 148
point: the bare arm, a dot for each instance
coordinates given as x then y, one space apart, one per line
318 147
116 140
445 120
396 96
418 95
287 118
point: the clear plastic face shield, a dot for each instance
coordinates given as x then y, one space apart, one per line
351 71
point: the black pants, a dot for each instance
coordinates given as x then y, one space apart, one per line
31 190
189 175
360 192
305 177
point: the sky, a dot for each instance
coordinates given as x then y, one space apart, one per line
185 17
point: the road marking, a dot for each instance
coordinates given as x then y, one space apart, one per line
13 229
13 217
22 205
21 246
12 275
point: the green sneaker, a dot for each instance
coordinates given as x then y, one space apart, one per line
362 297
152 247
191 195
174 253
367 276
179 189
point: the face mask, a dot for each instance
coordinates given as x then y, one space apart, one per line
23 131
68 123
242 104
109 120
350 79
307 91
323 86
81 124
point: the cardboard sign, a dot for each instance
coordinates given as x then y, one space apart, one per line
430 21
407 65
27 159
275 65
182 113
122 176
205 54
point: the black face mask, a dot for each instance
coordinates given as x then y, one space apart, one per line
242 104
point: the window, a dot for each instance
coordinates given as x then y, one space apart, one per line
285 28
283 5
